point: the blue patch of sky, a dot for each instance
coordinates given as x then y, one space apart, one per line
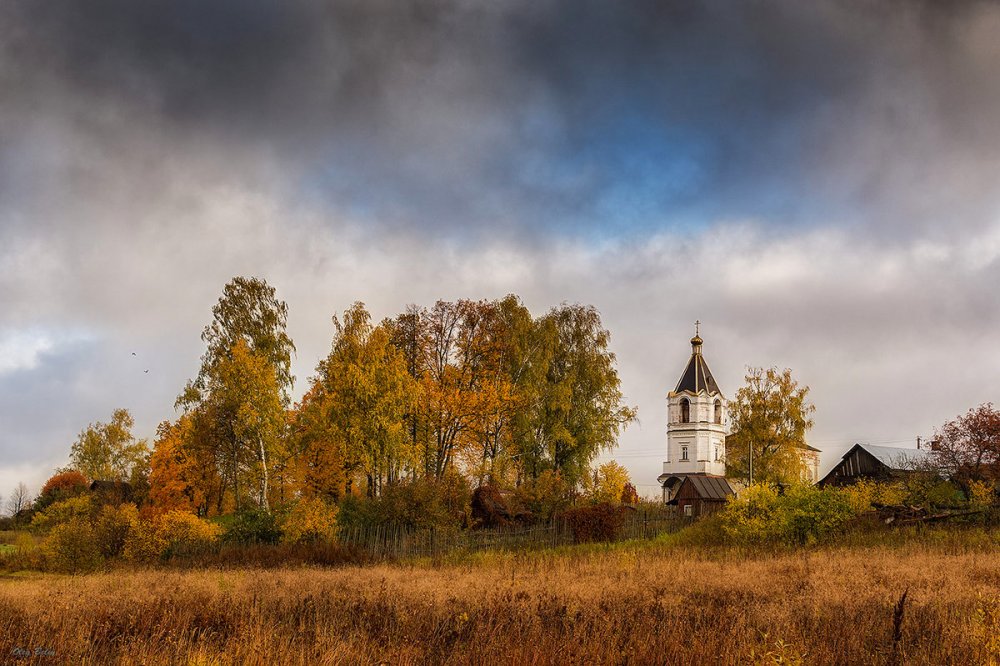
625 172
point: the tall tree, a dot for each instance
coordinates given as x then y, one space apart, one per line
770 416
499 348
368 393
248 310
968 446
244 407
108 451
242 389
576 410
445 385
467 371
407 333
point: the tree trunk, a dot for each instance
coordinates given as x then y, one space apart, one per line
263 463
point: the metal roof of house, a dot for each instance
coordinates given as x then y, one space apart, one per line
711 487
894 457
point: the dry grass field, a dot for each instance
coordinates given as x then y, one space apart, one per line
645 604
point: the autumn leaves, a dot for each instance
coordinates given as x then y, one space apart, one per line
478 388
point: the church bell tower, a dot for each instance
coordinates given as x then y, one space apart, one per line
697 423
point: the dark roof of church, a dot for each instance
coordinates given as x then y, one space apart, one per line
697 377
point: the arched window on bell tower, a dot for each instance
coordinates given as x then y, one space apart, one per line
685 411
718 411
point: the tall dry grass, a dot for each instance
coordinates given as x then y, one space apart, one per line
654 605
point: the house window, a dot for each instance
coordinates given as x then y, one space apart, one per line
718 411
688 510
684 453
716 454
685 411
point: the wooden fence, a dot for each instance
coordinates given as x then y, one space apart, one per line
397 541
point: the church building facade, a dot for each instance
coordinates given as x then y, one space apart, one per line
697 425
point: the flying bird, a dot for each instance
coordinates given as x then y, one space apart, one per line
133 353
146 371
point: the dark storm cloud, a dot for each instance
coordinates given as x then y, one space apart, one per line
503 118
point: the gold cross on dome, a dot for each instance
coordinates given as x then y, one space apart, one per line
697 326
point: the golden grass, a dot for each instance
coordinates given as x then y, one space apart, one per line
642 605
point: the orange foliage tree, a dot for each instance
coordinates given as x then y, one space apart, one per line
177 479
60 486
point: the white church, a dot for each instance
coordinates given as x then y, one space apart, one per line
697 425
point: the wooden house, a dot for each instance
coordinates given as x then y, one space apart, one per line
111 492
878 463
701 495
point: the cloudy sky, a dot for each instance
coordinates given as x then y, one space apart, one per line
818 183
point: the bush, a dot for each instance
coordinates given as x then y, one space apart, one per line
863 495
600 522
72 548
310 521
802 514
64 511
753 515
143 543
186 534
112 527
813 513
252 526
420 504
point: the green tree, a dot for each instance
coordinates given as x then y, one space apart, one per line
109 451
770 416
575 406
248 310
407 334
501 348
368 391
